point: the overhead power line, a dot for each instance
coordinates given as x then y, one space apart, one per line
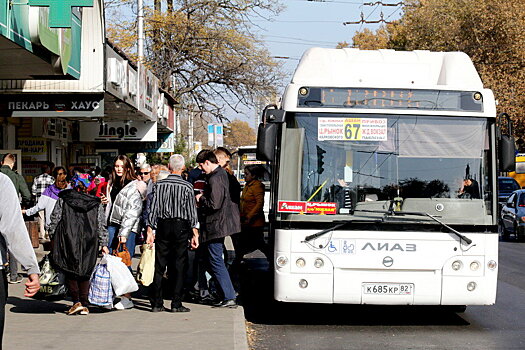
363 20
382 3
376 5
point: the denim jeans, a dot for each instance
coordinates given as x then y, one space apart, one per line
218 267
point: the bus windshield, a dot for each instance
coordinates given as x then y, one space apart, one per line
352 160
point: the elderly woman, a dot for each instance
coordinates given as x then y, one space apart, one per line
77 230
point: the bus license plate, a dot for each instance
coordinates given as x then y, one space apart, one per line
388 288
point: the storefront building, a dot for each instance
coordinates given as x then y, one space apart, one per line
68 96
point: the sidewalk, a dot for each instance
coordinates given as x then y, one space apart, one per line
34 324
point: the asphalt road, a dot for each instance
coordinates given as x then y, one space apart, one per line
273 326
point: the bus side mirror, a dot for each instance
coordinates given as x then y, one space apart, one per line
507 147
267 132
266 141
507 153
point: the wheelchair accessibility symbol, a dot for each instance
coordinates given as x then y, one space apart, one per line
332 248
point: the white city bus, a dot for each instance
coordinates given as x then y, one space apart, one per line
383 180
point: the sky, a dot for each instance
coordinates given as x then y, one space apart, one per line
319 23
304 24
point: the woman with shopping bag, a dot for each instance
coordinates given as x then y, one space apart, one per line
77 231
124 198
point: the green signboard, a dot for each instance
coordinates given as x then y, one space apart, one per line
31 28
14 23
60 10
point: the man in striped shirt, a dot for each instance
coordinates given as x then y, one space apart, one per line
173 214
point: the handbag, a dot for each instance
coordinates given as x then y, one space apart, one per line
52 282
124 254
146 268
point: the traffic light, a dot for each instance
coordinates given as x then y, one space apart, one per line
320 161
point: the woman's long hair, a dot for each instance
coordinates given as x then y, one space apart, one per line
57 169
129 171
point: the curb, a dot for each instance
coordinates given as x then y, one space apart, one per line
240 338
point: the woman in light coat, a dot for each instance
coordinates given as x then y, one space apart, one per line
124 198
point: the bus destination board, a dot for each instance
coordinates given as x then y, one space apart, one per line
369 98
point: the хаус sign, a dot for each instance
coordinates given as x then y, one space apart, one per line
52 105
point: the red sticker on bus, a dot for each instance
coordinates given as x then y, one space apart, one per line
327 208
291 207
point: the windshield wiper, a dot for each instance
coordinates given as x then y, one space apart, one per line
339 225
415 213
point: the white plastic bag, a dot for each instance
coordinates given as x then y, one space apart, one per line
121 278
146 268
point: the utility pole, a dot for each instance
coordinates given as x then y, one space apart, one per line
140 48
190 133
140 28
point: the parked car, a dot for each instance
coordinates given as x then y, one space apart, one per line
513 215
506 185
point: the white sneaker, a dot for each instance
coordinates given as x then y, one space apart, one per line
124 303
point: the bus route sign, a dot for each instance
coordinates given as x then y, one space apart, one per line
352 129
320 208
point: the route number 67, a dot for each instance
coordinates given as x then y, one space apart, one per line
352 131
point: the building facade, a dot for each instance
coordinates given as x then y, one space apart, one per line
69 96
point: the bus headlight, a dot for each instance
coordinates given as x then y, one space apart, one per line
471 286
300 262
492 265
474 265
318 263
477 96
456 265
303 283
281 261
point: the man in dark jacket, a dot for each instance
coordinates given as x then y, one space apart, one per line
221 220
223 158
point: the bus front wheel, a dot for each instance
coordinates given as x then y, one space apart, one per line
458 308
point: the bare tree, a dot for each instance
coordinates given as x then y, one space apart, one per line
205 53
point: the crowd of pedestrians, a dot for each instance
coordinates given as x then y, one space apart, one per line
183 213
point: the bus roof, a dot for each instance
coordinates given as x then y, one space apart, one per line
387 68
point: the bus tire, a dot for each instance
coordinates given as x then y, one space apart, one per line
458 308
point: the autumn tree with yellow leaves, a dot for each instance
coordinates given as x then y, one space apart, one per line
491 32
238 133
